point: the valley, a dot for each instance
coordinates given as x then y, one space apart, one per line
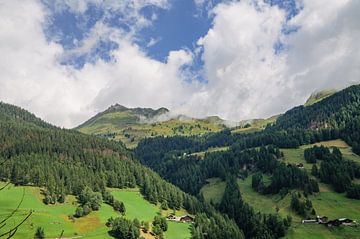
257 180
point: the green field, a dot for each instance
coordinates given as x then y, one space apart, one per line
54 218
136 206
178 230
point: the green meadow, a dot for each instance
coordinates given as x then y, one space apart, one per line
55 218
178 230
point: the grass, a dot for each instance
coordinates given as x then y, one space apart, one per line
319 96
345 149
214 190
256 125
296 156
136 206
54 218
178 230
210 150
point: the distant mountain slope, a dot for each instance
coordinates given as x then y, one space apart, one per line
17 114
254 125
130 125
121 115
334 111
319 96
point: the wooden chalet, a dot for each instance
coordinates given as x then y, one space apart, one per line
187 218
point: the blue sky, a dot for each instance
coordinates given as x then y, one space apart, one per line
178 26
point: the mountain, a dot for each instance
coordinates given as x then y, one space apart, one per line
304 163
123 116
130 125
319 96
334 111
65 168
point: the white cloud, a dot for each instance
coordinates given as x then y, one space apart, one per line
243 72
248 79
33 78
245 77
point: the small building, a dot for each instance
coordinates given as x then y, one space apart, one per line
322 219
317 220
341 221
309 221
186 218
300 165
171 217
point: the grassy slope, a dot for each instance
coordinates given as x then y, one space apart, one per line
128 129
319 96
327 202
178 230
295 156
256 125
54 218
214 190
210 150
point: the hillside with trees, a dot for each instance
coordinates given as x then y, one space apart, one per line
66 162
334 117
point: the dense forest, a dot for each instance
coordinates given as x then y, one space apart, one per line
65 162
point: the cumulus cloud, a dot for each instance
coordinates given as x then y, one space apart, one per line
33 78
246 76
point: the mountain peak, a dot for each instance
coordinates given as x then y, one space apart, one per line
116 107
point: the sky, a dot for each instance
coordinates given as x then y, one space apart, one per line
66 60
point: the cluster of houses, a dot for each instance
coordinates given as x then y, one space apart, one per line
186 218
330 223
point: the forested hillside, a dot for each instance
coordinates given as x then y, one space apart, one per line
261 154
66 162
332 112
